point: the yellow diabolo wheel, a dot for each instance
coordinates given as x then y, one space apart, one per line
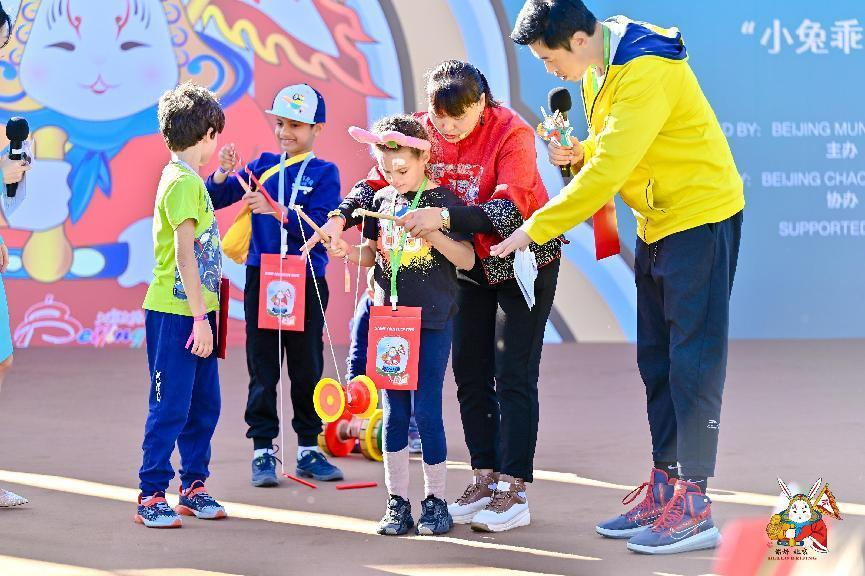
370 437
328 399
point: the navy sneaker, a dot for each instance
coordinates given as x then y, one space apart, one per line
397 519
685 525
195 501
154 512
435 518
313 464
264 470
660 491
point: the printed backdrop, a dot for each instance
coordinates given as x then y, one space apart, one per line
87 76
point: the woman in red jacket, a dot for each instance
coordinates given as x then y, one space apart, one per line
486 153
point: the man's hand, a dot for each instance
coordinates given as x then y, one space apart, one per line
4 258
48 206
13 170
565 155
421 221
202 339
516 241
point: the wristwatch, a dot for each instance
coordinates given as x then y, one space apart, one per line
446 218
335 213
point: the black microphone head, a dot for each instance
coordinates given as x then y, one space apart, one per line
559 99
17 129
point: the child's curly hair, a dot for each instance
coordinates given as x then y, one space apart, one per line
187 114
404 124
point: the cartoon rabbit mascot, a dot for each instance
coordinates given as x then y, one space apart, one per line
801 524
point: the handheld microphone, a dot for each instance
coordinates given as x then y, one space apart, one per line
559 99
17 131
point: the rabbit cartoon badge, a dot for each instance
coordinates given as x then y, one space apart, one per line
801 523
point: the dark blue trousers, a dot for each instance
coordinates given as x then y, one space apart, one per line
435 348
683 308
184 403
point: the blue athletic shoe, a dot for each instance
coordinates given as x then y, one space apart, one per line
154 512
435 518
313 464
397 520
195 501
660 491
264 471
685 525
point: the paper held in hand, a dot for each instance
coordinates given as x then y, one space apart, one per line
526 272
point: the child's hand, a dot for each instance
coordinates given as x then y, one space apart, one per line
228 158
339 248
258 203
4 258
202 339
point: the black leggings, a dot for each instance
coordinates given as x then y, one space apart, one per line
302 353
496 360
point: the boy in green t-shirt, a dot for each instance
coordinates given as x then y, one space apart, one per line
181 304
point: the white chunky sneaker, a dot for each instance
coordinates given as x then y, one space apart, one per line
509 508
474 499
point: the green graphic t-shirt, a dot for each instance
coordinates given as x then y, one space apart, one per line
182 196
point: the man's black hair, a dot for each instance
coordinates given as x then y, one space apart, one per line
553 22
5 22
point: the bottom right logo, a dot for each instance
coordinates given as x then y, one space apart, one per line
800 529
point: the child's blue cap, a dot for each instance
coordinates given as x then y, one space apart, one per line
299 102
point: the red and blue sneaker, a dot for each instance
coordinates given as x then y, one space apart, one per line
685 525
154 512
195 501
640 517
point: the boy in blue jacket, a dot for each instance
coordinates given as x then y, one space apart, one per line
312 184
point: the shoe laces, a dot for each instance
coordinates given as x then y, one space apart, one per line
429 503
673 513
269 456
470 491
316 457
648 501
392 516
473 489
501 498
158 503
198 494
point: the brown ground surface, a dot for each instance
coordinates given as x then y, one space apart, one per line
792 409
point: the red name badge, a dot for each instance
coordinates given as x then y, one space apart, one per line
282 296
394 347
606 231
222 323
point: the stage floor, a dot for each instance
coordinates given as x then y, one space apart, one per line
71 426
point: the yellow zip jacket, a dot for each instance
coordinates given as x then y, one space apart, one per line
653 137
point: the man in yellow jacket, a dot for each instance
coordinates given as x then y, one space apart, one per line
654 139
